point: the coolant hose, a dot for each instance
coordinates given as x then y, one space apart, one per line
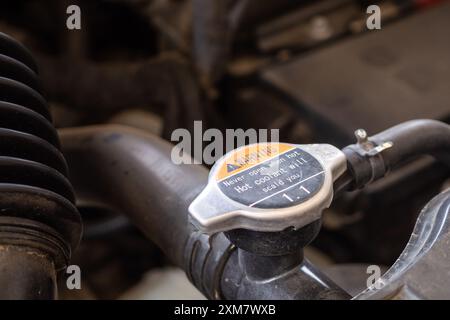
373 157
414 138
132 172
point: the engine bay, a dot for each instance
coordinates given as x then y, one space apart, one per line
198 149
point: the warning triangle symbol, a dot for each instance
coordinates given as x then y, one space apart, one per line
232 167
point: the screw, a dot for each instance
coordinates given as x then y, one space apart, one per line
361 136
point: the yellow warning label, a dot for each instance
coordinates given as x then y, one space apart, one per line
250 156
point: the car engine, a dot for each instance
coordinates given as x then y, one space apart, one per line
224 150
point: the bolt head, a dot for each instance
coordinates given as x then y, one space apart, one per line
361 135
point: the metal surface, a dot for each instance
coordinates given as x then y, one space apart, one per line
212 211
25 274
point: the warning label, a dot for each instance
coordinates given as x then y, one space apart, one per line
270 176
250 156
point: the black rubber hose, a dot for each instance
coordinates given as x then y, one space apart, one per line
415 138
12 48
39 224
132 172
373 158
